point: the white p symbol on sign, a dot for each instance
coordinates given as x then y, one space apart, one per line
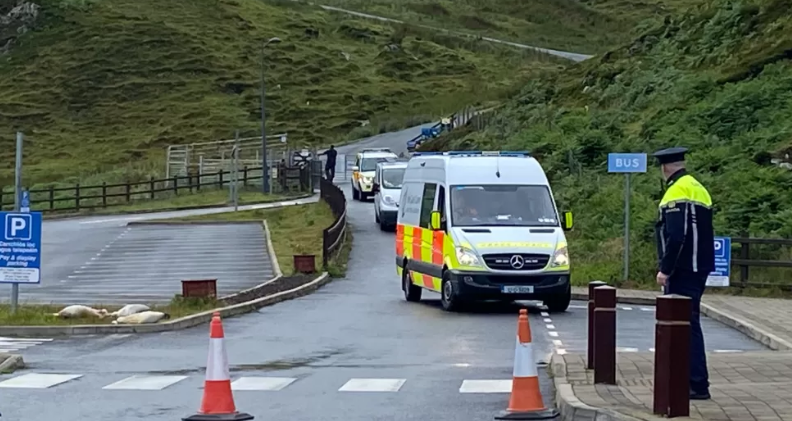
17 224
18 227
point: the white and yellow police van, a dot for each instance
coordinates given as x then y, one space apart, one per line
363 171
481 226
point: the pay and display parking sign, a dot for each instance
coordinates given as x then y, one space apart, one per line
20 248
720 276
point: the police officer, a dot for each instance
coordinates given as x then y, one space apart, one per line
686 251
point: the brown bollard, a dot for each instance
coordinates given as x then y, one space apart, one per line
590 350
672 356
605 335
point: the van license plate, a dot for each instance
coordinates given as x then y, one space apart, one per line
517 289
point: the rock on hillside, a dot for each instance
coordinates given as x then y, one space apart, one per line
16 18
717 79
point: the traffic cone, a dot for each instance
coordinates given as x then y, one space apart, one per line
525 402
218 401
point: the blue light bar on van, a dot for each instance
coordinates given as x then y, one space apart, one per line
519 154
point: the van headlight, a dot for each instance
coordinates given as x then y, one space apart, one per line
366 179
388 200
467 257
560 258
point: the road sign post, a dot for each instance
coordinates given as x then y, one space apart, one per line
720 276
626 163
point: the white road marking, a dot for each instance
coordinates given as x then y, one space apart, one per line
727 351
38 381
576 306
550 327
545 314
372 385
561 351
145 383
546 320
261 383
626 308
553 334
647 309
651 350
486 386
557 342
626 349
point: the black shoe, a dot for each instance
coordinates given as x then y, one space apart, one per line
696 396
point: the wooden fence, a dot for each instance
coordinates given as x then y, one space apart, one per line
80 197
744 262
334 235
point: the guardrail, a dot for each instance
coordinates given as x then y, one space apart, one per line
333 236
80 197
744 262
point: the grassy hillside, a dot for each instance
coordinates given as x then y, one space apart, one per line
581 26
103 86
717 80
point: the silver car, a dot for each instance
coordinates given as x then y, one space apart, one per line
387 191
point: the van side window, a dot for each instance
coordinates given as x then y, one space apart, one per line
427 204
441 207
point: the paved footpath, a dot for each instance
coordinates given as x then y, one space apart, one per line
749 386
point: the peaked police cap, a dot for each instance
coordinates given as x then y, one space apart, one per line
667 156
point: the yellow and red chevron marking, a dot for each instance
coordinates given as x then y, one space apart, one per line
423 245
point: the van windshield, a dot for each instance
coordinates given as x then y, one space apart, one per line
370 164
502 205
392 178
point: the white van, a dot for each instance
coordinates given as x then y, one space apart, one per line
481 226
388 181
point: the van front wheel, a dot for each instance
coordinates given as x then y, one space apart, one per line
448 296
558 303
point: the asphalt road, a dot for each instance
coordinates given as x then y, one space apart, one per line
82 263
146 264
418 359
577 57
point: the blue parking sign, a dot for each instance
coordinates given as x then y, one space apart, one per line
20 248
720 276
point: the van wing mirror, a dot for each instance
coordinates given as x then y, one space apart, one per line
355 168
375 188
435 220
568 224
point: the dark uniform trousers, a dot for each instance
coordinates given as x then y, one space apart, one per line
691 284
686 253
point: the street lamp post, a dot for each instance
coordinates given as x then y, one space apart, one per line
264 168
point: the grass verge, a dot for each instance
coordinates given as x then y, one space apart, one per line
101 87
40 315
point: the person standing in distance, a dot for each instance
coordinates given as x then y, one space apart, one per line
686 251
330 164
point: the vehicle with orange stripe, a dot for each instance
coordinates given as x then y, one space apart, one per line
365 167
479 226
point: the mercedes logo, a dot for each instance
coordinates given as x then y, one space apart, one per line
517 261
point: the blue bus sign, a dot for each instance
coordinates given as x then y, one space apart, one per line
626 162
720 276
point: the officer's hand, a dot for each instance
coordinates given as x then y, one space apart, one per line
662 279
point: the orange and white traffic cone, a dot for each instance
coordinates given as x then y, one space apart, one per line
218 401
525 402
